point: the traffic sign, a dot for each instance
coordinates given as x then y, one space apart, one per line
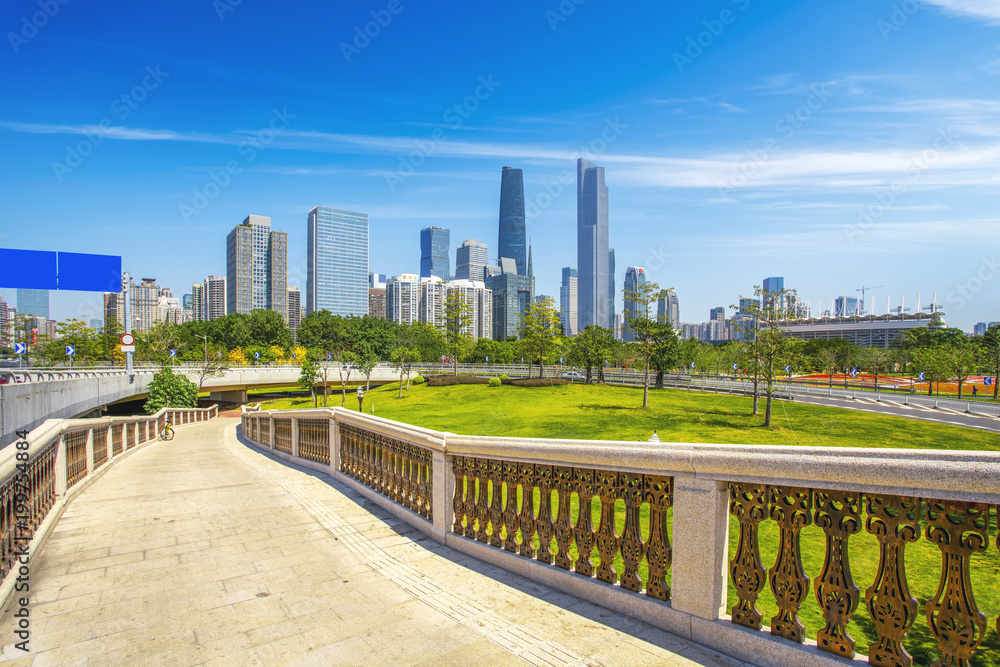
734 367
293 357
788 369
128 348
692 364
256 355
854 372
128 339
987 381
173 353
329 357
921 376
70 350
20 348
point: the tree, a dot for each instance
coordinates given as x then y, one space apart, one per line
345 361
403 358
829 361
307 379
366 363
665 350
991 353
768 312
639 320
877 359
457 323
932 363
961 362
590 348
539 333
168 390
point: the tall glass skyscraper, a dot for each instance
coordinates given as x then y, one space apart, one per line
568 301
471 259
337 261
668 309
33 302
634 277
595 284
435 246
512 242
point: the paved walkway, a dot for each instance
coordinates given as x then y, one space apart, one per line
206 551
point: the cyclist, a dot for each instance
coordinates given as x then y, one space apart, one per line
168 432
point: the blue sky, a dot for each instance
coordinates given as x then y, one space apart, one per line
835 144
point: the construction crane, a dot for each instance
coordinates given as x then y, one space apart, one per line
863 288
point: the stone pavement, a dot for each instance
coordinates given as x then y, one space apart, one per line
205 550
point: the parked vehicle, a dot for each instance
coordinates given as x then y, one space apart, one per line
573 376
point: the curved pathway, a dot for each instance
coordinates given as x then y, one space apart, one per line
204 550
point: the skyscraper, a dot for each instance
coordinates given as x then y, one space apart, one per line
512 242
33 302
512 294
567 301
294 299
612 292
593 254
215 297
668 309
634 277
256 267
337 261
435 245
480 302
848 306
402 298
471 259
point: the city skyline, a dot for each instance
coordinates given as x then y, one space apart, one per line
766 149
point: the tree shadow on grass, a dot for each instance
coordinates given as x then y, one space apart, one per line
597 406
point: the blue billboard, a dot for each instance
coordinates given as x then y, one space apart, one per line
90 273
27 269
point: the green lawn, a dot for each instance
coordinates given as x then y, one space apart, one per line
604 412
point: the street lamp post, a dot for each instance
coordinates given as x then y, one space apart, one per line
204 338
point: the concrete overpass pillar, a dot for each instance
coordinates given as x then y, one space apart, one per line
232 396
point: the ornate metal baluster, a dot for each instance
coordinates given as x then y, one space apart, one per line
458 502
527 477
482 500
748 503
509 476
583 481
632 547
496 505
564 519
544 521
428 460
607 539
658 492
838 514
893 521
471 470
791 508
959 529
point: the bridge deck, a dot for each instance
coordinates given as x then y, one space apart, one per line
205 551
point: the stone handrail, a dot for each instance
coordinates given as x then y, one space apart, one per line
48 466
512 501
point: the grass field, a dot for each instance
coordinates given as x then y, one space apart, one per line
606 412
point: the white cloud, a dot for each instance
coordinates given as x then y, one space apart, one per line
982 9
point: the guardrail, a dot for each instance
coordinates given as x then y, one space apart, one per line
655 543
53 463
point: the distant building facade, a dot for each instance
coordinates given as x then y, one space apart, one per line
435 246
376 302
567 301
595 282
337 261
294 300
635 277
402 298
668 309
512 241
33 302
471 259
256 267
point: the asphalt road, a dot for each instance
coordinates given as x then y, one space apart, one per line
940 415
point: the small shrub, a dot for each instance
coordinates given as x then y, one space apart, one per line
418 380
537 382
504 377
495 382
452 380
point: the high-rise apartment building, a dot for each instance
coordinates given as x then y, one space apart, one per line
668 309
567 301
595 283
480 303
635 276
145 305
256 267
294 301
435 246
430 304
215 297
512 242
471 259
198 302
376 302
7 315
337 261
33 302
402 298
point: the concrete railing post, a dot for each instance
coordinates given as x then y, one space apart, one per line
61 472
334 445
701 547
444 491
270 432
295 437
90 452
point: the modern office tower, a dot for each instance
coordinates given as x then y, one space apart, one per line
430 304
187 301
215 297
635 276
774 285
848 306
539 298
376 280
567 301
471 259
668 309
594 287
981 328
512 294
435 246
402 298
33 302
480 302
256 267
512 242
294 306
376 302
612 292
337 262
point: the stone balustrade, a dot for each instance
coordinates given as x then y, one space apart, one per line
54 462
655 543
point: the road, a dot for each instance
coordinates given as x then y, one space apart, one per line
939 415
